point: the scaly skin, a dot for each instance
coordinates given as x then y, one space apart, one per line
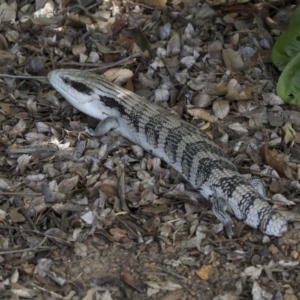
189 151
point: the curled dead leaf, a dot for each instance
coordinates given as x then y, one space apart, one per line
233 60
139 38
201 100
221 108
216 89
275 162
118 76
239 128
290 133
204 272
202 114
127 277
118 234
21 291
126 42
68 184
173 47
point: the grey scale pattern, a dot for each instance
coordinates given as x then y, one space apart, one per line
183 146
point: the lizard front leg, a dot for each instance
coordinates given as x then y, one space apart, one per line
103 127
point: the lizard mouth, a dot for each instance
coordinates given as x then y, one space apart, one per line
276 225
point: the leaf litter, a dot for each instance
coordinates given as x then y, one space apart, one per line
84 218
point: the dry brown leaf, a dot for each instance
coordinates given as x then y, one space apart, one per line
216 2
137 151
143 174
221 109
129 85
109 190
164 31
253 272
297 138
27 268
156 209
277 187
290 297
276 163
239 128
43 267
118 75
5 107
152 224
147 81
118 234
93 57
201 100
205 11
56 233
188 61
126 42
161 95
295 254
261 56
219 89
204 272
289 133
137 50
80 249
103 49
272 99
6 55
19 128
88 217
120 23
16 216
177 295
14 276
281 199
202 114
3 215
215 49
298 174
79 49
80 18
23 161
127 277
111 57
122 191
91 179
68 184
139 38
233 60
292 116
160 3
7 12
22 291
173 47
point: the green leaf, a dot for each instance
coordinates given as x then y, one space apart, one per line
286 46
288 86
295 18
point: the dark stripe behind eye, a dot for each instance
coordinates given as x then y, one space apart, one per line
78 86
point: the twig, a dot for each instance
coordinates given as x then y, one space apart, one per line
37 249
47 291
21 193
102 66
22 76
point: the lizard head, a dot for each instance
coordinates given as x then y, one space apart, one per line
274 224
